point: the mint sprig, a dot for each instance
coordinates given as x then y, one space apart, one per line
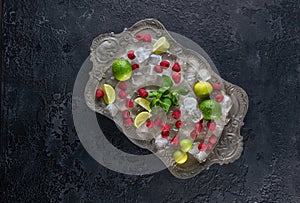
165 97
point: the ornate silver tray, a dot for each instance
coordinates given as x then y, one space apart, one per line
230 144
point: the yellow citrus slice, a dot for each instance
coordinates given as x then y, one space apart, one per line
109 93
141 118
143 102
161 45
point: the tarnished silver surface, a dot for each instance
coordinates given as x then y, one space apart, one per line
230 145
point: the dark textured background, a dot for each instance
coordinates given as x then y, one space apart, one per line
254 44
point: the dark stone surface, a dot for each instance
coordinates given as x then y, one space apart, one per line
254 44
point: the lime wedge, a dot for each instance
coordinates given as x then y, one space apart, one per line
161 45
143 103
109 93
141 118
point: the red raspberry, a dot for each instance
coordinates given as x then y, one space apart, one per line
193 134
176 114
166 127
126 114
202 147
175 140
147 38
201 121
122 94
165 64
131 55
198 127
213 139
139 36
176 67
129 103
143 93
128 121
149 124
158 69
211 125
122 86
178 124
135 66
158 122
165 134
176 77
219 98
217 86
209 146
99 93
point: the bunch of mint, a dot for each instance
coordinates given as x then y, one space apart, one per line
164 96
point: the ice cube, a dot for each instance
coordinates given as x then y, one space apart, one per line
121 104
143 53
226 104
160 142
201 156
190 104
138 78
190 77
204 75
196 115
158 113
154 59
144 133
194 150
112 109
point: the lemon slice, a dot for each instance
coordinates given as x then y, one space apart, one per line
143 102
141 118
109 93
161 45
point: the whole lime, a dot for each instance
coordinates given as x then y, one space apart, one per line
211 110
121 69
180 157
202 89
186 145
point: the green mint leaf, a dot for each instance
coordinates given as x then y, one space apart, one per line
154 103
152 94
181 91
166 104
167 81
175 98
169 96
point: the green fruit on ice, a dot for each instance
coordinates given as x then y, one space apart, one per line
186 145
121 69
180 157
202 89
211 110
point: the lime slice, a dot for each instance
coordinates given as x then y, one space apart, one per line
109 93
143 103
161 45
141 118
180 157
